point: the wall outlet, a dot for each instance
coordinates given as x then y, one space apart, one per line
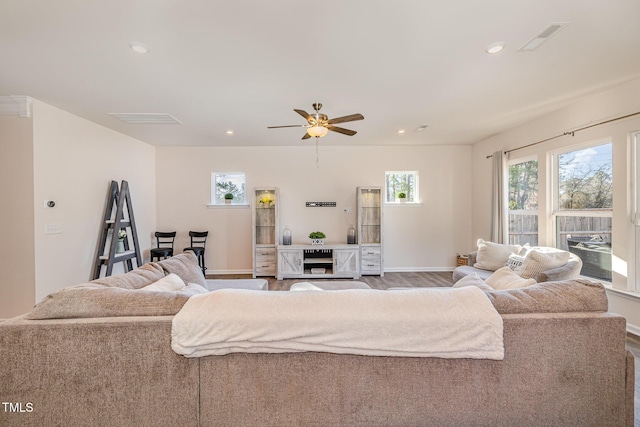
53 229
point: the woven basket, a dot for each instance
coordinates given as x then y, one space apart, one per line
462 260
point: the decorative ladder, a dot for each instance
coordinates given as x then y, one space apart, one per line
112 223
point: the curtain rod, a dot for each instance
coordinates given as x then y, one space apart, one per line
572 133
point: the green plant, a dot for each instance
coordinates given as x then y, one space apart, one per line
228 196
317 235
402 195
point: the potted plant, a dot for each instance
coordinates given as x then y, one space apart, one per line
266 202
228 198
317 237
122 234
402 197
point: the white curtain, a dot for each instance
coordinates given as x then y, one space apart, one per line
499 230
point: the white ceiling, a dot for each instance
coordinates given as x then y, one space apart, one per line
245 64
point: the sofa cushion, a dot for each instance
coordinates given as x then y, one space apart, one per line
86 301
505 278
135 279
568 296
120 295
186 266
169 283
542 259
492 256
472 280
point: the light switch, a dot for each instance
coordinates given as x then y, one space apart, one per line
53 229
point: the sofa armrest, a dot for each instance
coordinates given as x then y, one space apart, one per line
472 257
570 270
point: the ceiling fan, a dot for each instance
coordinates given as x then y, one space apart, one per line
319 125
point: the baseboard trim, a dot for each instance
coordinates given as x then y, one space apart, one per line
215 272
633 329
418 269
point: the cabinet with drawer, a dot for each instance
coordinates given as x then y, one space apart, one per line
265 233
369 210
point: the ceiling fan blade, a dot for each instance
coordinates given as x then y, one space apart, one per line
306 136
349 118
342 130
304 114
286 126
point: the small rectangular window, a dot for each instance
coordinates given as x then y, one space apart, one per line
401 186
227 188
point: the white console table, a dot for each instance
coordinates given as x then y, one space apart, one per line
318 261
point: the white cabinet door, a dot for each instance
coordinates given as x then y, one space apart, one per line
289 262
346 261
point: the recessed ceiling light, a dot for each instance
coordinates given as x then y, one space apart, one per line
139 47
229 132
495 48
421 128
401 131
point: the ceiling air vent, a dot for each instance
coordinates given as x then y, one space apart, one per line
544 35
146 118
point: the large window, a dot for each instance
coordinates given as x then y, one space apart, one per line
225 183
523 203
399 184
583 206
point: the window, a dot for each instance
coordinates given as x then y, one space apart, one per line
399 183
223 183
583 206
523 203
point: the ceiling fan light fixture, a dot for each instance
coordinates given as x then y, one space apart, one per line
317 131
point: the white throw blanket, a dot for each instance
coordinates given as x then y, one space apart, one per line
426 322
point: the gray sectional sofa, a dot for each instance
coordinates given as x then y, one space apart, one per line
87 356
570 270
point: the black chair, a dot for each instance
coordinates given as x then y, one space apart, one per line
198 241
164 247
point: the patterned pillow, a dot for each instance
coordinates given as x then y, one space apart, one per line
537 261
515 262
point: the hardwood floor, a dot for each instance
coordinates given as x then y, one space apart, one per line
390 280
432 279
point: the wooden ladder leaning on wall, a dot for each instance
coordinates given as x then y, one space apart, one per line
112 223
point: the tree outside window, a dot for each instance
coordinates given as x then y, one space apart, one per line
398 182
584 207
228 183
523 203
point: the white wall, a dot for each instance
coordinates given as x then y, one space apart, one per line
17 287
74 161
615 102
416 238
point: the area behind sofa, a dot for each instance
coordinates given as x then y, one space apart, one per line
565 363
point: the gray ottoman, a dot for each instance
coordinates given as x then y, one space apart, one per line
334 285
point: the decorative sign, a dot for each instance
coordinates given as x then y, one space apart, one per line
321 204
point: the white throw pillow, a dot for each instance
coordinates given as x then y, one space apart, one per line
472 280
492 256
539 260
515 262
169 283
504 278
193 289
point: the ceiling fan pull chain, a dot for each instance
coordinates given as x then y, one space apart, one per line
317 156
